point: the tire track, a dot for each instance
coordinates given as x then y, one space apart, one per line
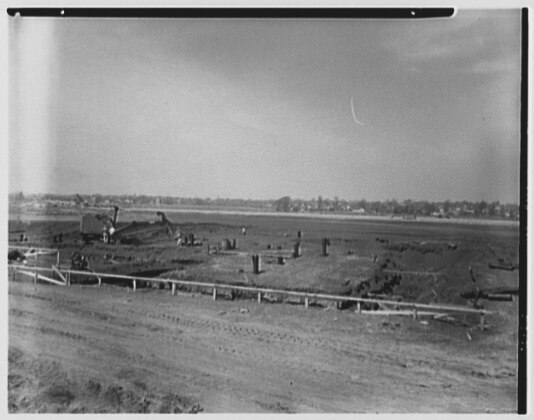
122 316
232 329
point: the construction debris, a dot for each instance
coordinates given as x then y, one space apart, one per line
16 256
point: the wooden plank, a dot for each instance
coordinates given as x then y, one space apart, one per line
48 279
404 313
61 276
418 273
51 250
27 273
37 276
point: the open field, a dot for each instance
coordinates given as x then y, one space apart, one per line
106 349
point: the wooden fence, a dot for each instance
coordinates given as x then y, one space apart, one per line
414 308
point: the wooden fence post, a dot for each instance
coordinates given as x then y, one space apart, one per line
359 307
35 277
214 293
255 264
296 249
415 312
134 285
325 244
306 302
173 289
482 320
259 297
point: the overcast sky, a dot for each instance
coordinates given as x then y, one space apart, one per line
374 109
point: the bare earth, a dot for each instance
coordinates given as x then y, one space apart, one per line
107 349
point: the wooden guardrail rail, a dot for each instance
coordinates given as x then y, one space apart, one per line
37 276
260 291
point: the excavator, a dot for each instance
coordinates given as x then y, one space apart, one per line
103 227
95 226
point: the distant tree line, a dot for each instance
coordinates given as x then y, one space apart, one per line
410 208
393 207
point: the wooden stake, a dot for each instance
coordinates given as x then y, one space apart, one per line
259 297
134 285
306 303
359 307
415 312
256 264
325 244
173 289
35 277
482 320
296 249
214 293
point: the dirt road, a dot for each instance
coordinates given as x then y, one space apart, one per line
107 349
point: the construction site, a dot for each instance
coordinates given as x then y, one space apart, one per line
125 311
266 209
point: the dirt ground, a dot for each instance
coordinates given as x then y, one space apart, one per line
107 349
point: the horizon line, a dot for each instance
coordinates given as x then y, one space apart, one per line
324 197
